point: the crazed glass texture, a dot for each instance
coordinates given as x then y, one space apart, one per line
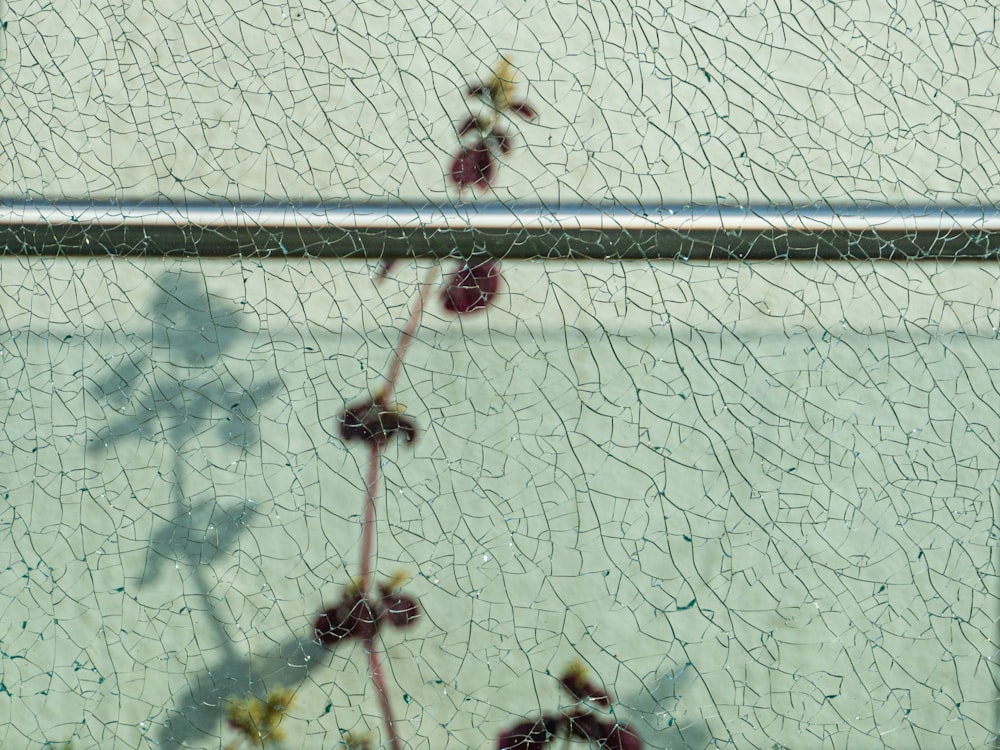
492 503
753 503
793 102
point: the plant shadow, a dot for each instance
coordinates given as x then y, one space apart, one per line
649 712
198 715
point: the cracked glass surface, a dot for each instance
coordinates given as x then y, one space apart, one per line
757 501
763 102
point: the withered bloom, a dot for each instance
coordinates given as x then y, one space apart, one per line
399 610
473 286
375 422
482 137
473 166
575 682
621 737
259 720
352 617
498 91
529 735
581 722
358 615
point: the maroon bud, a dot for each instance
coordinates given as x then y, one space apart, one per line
469 124
331 626
401 611
375 423
529 735
621 737
478 89
586 726
351 618
522 109
504 141
473 167
575 682
473 286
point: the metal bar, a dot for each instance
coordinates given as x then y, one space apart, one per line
387 230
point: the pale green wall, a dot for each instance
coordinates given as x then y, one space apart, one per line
777 101
774 482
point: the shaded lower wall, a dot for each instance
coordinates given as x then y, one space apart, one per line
757 500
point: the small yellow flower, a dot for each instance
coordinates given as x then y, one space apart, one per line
398 579
501 84
576 681
356 741
257 720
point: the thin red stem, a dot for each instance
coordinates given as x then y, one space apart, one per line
371 495
368 525
367 565
406 338
375 667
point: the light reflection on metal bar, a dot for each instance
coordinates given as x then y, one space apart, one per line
522 231
504 219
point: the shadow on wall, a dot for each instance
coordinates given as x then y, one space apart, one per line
648 711
179 395
197 716
176 390
180 392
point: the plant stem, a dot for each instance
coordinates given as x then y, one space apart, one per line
378 679
406 338
367 565
384 398
368 525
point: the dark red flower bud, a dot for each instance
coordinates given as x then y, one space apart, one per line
529 735
478 89
621 737
331 626
473 286
351 618
473 167
586 726
373 422
401 611
504 140
469 124
575 682
522 109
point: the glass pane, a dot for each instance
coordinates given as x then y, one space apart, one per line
773 102
755 502
669 504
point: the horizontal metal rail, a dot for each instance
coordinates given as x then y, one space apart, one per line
518 231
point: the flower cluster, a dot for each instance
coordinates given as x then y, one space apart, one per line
578 722
360 616
483 140
472 286
376 422
258 720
